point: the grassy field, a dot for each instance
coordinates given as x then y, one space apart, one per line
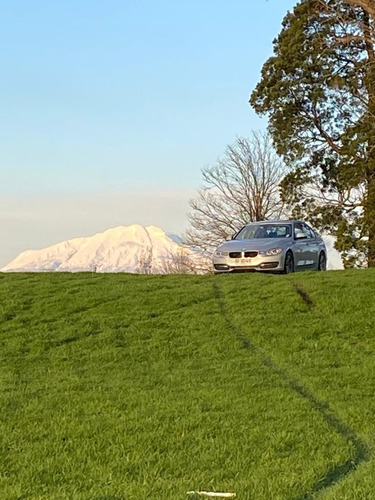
145 387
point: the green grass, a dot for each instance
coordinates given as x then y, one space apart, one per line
145 387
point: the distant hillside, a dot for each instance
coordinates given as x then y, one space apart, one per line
130 387
125 248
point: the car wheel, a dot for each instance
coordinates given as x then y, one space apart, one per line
322 266
289 264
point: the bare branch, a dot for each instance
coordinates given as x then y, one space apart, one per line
242 186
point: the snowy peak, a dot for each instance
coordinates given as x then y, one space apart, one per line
131 249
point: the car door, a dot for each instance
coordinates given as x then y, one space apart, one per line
312 249
300 247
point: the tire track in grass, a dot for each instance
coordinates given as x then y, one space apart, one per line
304 295
362 452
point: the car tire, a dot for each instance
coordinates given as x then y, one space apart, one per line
289 263
322 264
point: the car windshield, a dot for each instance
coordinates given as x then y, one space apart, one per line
257 231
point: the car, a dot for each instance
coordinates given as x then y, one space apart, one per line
272 246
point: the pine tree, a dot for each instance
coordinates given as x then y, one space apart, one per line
319 93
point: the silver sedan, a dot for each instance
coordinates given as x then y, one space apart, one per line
282 246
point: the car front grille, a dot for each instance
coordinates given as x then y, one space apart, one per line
251 254
239 255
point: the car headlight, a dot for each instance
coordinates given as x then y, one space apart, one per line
274 251
221 254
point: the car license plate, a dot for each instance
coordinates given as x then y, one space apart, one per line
243 261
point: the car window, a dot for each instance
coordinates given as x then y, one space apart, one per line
300 228
308 231
260 231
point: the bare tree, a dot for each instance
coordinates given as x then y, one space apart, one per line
183 261
243 186
145 261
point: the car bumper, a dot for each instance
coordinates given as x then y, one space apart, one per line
269 263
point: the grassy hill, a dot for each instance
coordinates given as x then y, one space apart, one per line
145 387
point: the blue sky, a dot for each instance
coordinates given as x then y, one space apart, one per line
118 99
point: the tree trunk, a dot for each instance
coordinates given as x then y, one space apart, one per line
369 206
370 221
367 5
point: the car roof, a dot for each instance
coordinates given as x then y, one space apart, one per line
274 222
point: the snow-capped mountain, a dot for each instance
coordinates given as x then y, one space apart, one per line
131 249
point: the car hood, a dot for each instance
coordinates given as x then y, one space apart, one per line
255 245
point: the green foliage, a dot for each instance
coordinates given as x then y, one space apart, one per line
319 95
134 387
